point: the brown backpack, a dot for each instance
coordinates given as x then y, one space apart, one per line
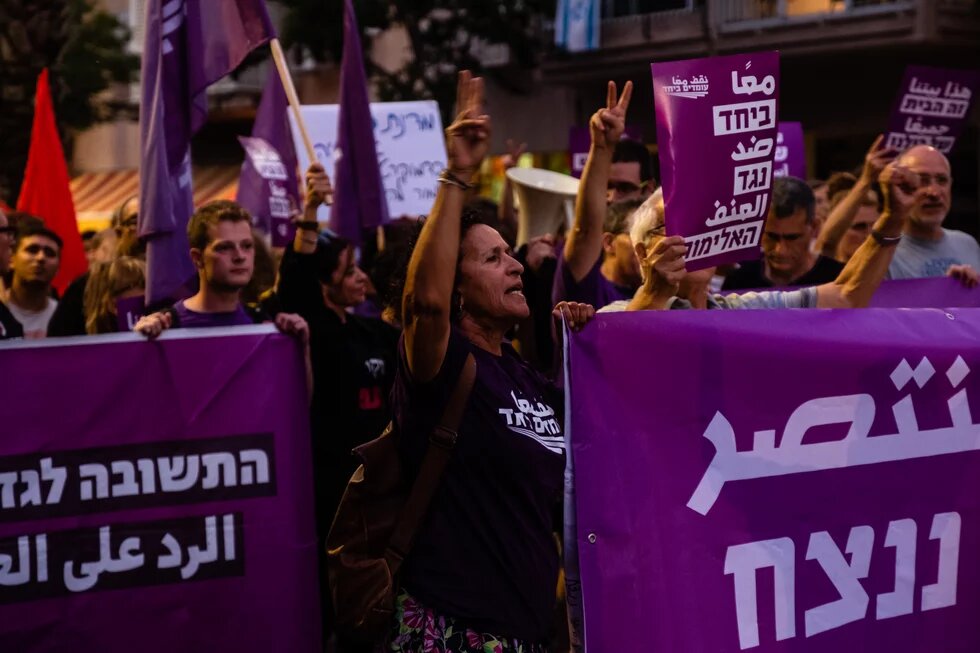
378 517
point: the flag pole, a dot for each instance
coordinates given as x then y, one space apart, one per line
287 85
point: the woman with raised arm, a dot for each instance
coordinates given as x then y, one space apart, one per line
481 574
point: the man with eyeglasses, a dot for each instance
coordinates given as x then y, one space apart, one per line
787 244
37 256
9 326
927 249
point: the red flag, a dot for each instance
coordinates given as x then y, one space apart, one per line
46 192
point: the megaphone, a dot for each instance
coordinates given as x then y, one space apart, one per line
547 201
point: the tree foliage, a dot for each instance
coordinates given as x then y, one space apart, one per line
84 49
444 35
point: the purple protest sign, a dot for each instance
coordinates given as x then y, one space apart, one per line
275 185
180 481
790 157
932 107
128 312
820 507
716 132
580 142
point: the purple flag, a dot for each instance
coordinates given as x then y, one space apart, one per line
178 519
359 197
268 187
716 132
790 156
188 45
785 482
932 107
580 141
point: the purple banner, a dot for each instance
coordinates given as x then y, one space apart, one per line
790 157
806 497
167 507
128 312
580 142
716 131
932 107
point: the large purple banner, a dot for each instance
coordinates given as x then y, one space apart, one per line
162 505
789 482
932 107
716 132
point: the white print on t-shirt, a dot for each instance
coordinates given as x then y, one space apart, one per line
375 367
536 421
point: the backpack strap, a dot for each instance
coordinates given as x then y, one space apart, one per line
441 443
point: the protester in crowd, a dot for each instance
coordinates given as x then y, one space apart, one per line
122 278
787 244
928 249
16 221
119 239
483 570
844 231
223 251
37 256
821 201
631 173
666 284
597 265
354 358
9 326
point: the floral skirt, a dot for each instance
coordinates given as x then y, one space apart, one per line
419 629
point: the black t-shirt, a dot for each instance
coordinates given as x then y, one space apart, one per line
751 275
9 326
69 316
354 365
485 553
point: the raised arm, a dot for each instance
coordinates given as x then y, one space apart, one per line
432 268
584 243
860 278
842 216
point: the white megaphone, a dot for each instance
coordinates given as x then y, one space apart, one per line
546 199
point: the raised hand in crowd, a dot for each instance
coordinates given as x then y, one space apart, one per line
584 244
663 269
842 215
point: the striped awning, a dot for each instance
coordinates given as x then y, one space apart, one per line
98 194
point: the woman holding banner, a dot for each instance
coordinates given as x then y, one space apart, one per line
481 574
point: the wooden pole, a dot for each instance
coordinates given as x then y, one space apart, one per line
287 85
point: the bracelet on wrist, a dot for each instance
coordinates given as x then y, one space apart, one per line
447 177
308 225
884 240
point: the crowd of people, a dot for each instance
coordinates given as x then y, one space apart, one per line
389 344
